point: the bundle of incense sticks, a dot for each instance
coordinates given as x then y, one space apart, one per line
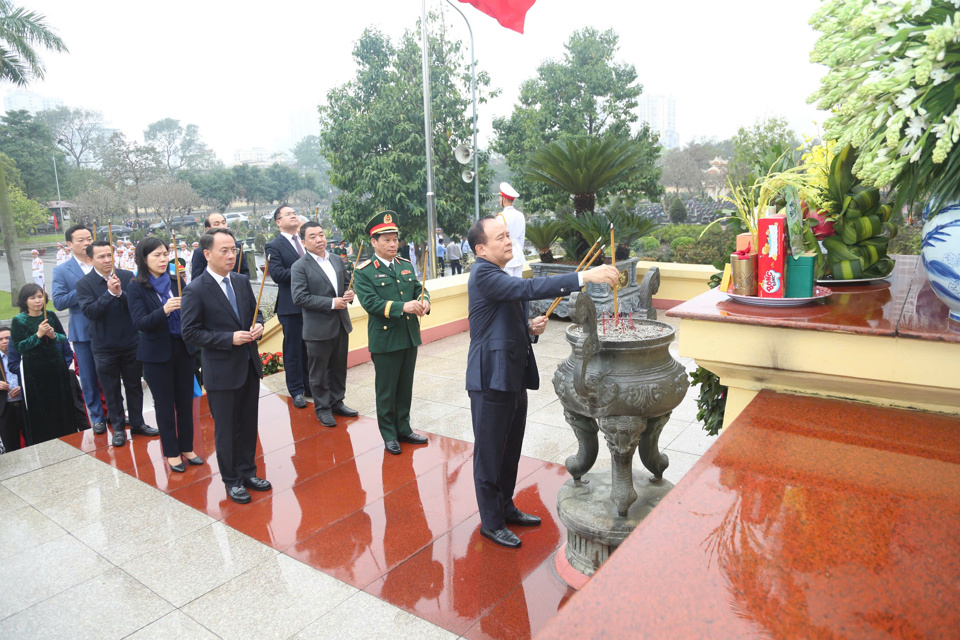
587 259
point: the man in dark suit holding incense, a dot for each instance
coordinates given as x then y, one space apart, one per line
102 296
501 367
216 314
318 282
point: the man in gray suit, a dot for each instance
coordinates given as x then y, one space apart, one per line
318 285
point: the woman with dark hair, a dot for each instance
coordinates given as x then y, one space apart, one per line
167 361
46 380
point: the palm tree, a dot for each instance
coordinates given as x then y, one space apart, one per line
20 32
585 165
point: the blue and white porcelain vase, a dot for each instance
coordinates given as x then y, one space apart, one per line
940 252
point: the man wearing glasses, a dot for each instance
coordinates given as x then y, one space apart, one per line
282 251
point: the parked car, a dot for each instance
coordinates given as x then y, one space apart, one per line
183 221
115 229
47 227
235 218
156 226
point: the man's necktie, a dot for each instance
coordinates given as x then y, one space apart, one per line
296 241
232 297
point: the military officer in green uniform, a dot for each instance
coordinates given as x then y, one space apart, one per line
389 292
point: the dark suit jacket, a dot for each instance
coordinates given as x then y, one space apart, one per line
111 328
208 322
149 318
65 278
282 255
314 294
501 353
198 263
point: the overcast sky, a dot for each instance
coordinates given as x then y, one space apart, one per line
252 73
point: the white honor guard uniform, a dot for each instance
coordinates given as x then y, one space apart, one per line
517 227
62 254
37 268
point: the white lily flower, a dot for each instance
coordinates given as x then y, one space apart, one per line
916 155
916 127
904 99
939 76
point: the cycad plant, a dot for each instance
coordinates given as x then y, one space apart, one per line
542 234
584 165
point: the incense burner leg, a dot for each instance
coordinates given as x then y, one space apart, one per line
649 448
622 434
585 428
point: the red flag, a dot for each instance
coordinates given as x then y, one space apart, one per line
509 13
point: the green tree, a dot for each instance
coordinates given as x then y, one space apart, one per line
587 92
308 156
31 145
28 214
77 132
218 187
9 168
21 33
372 134
179 147
130 165
756 148
252 185
282 181
678 212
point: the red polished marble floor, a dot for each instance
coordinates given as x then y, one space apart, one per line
403 528
809 518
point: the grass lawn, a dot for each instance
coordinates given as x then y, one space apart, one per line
46 238
7 310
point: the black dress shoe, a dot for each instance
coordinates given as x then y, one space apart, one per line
522 519
119 438
345 411
179 468
144 430
393 447
503 537
307 393
299 401
99 428
414 438
238 494
326 419
197 460
257 484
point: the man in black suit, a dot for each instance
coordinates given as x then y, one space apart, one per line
501 367
102 297
318 282
216 315
11 398
282 251
198 263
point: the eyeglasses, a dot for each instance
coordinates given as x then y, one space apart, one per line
227 251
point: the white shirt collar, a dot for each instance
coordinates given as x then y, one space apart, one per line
325 258
389 263
83 266
216 277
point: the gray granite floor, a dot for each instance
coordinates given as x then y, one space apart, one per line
87 551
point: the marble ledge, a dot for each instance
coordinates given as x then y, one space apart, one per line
902 306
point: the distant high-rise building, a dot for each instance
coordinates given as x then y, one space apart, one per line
256 156
29 101
660 112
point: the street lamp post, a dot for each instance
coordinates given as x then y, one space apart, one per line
473 92
56 177
430 255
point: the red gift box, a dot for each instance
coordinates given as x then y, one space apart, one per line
771 267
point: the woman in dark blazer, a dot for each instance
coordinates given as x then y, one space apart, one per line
167 361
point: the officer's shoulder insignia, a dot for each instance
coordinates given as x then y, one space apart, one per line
402 259
363 264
